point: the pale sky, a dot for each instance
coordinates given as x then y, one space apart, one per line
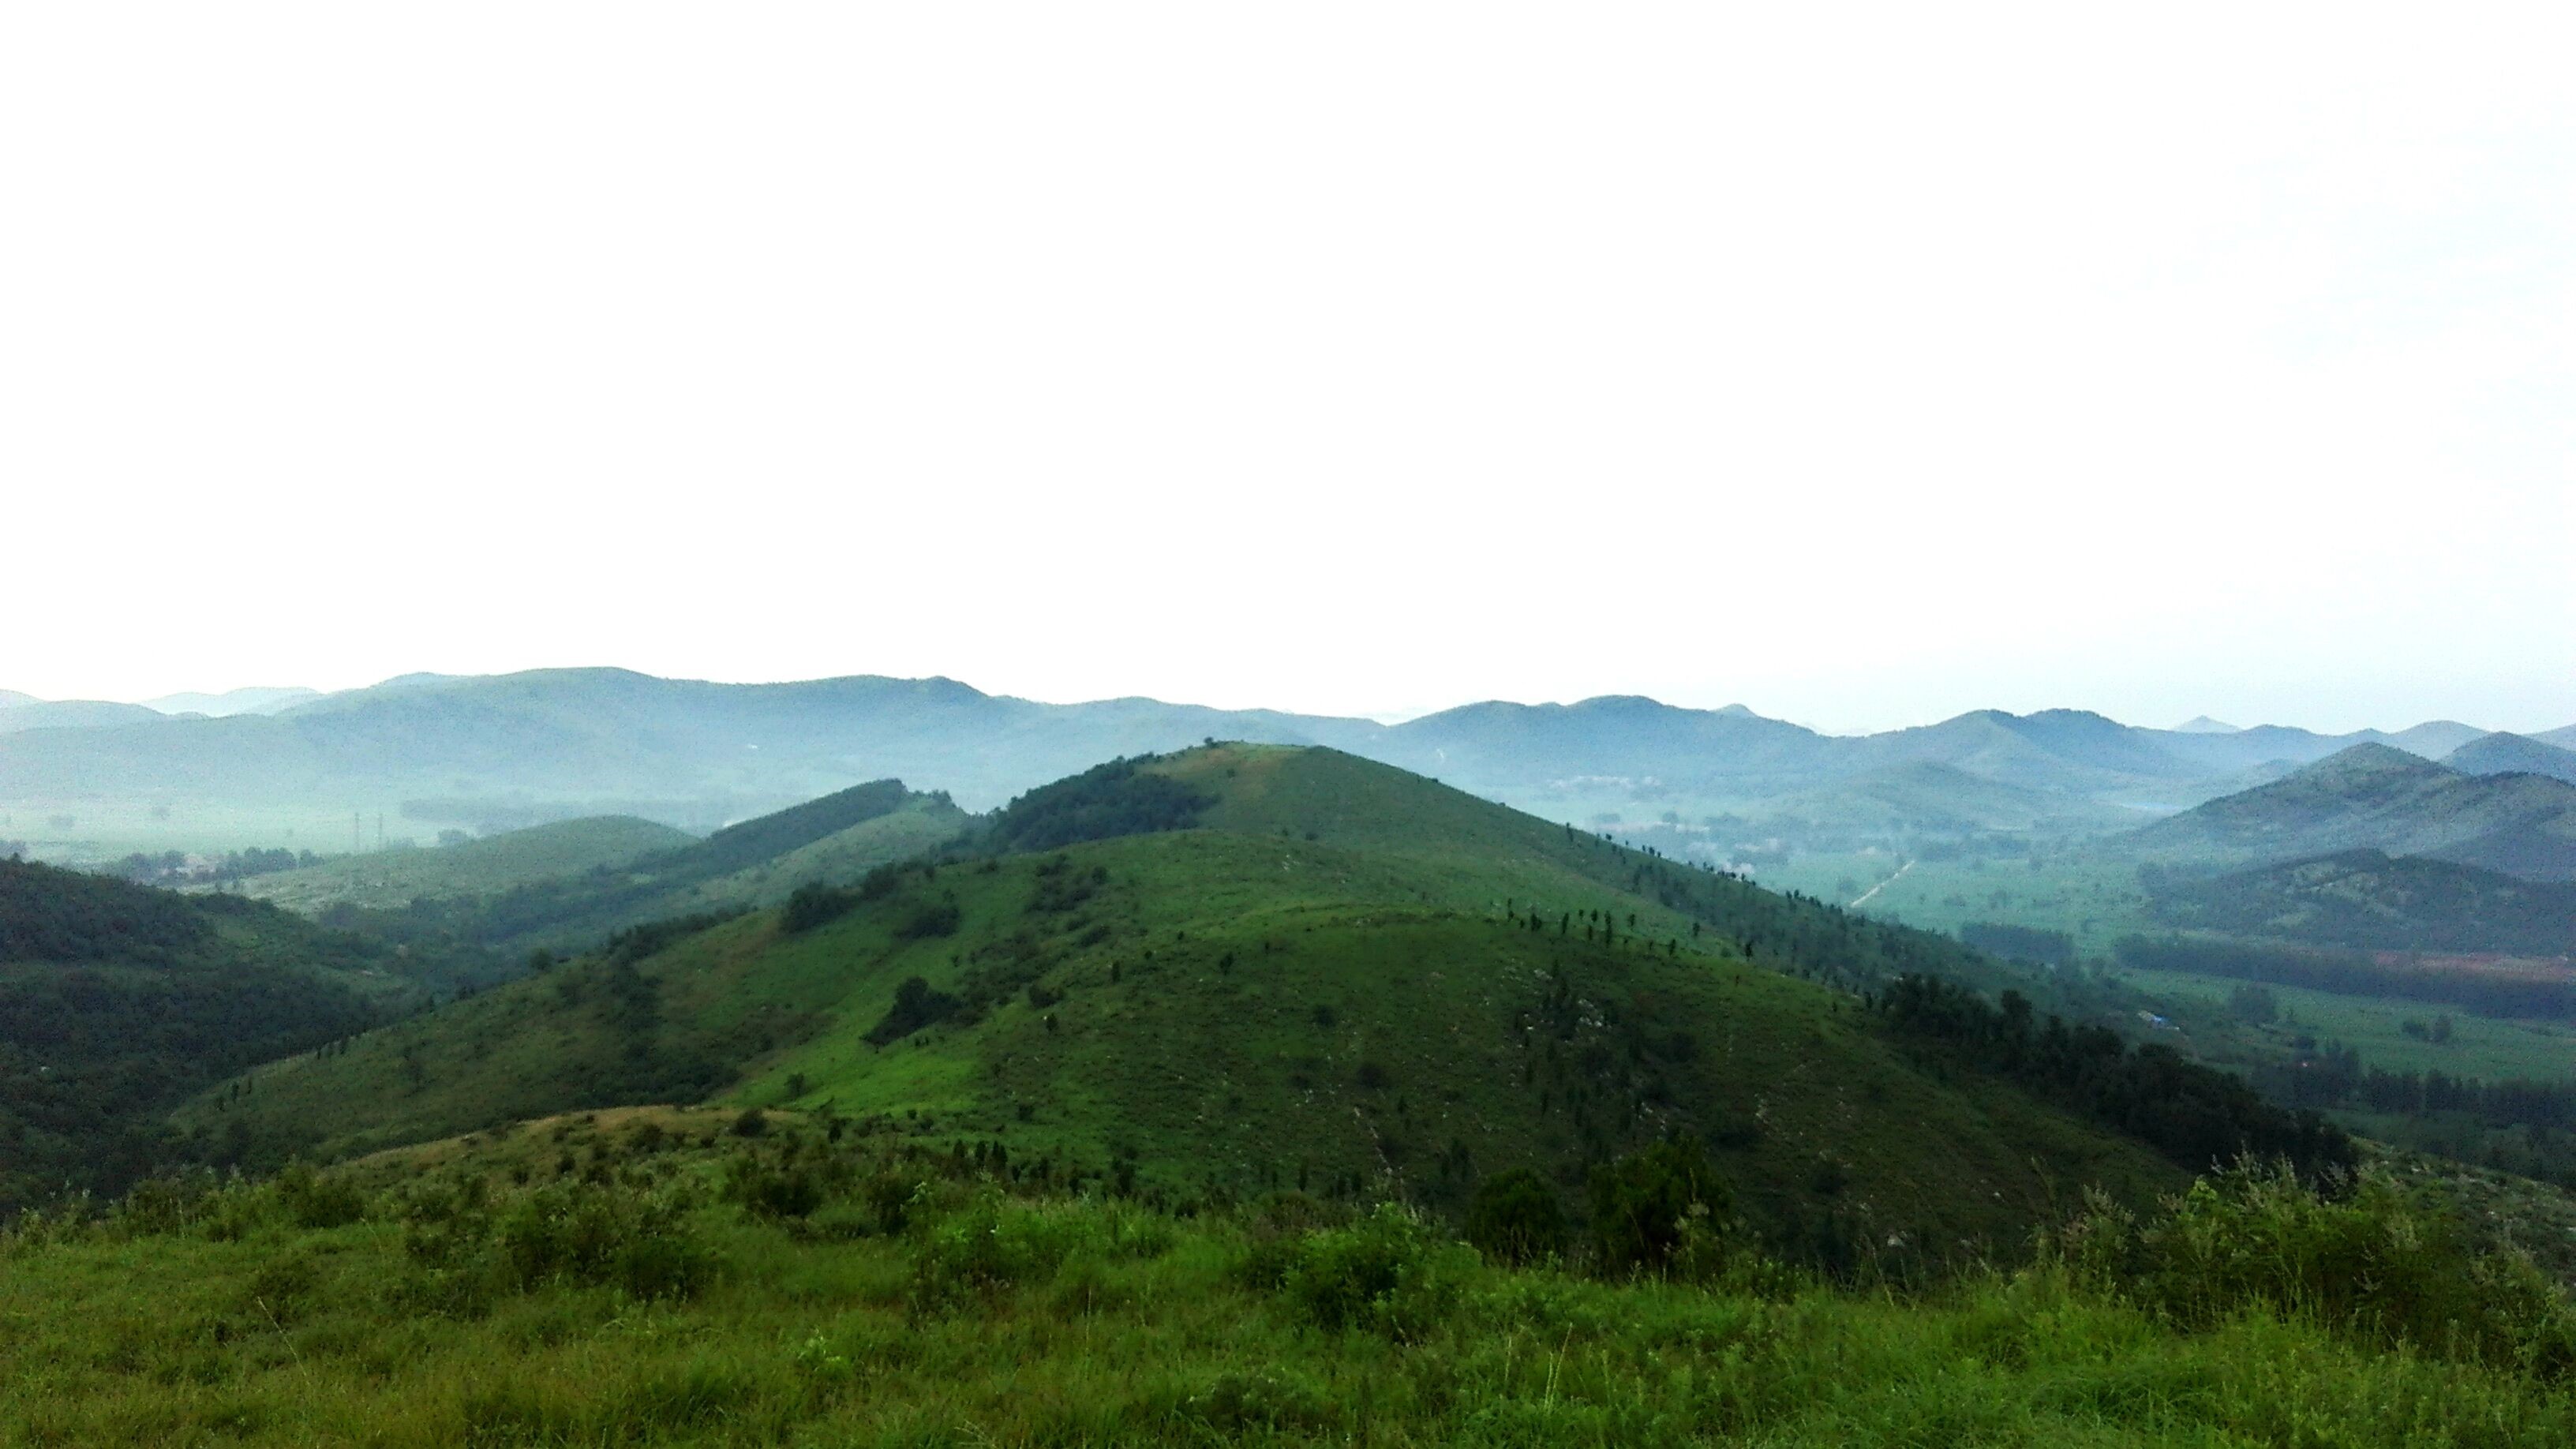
1862 366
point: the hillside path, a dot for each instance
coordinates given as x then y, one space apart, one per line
1882 885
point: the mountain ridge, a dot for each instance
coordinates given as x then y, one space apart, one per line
511 749
1244 964
2502 753
2379 797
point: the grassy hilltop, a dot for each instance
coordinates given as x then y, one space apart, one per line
1338 977
1267 1095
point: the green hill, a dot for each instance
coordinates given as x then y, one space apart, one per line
118 1001
2372 901
1312 970
2501 754
2376 797
1926 799
390 879
753 863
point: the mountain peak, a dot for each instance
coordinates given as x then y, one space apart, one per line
1622 704
2510 754
2201 724
2367 760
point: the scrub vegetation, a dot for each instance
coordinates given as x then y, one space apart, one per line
669 1277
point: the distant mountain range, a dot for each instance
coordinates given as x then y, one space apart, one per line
549 743
2376 797
234 701
26 712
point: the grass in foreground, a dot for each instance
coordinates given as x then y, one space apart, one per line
656 1278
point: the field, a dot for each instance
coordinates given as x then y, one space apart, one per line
2094 901
2487 1048
2098 903
108 830
394 878
655 1278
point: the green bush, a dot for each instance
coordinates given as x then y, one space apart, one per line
1516 1218
313 1199
991 1243
1663 1210
813 905
935 919
1385 1273
2369 1264
775 1186
915 1006
166 1204
1272 1400
597 1235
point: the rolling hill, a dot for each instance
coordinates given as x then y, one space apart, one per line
117 1001
248 700
1925 798
2508 754
21 712
389 880
1243 968
2372 901
560 905
2376 797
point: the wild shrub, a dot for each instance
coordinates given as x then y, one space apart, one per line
282 1289
930 920
1386 1273
775 1187
165 1204
814 905
2369 1263
601 1236
915 1006
444 1221
889 1194
989 1244
1663 1210
1262 1402
311 1199
1515 1218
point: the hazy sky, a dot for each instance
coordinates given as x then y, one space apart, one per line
1863 367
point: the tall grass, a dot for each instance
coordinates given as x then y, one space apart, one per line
912 1299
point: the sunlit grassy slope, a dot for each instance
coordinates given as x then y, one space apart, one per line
1333 982
923 823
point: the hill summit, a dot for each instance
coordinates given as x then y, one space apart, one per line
2506 754
1247 968
2378 797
